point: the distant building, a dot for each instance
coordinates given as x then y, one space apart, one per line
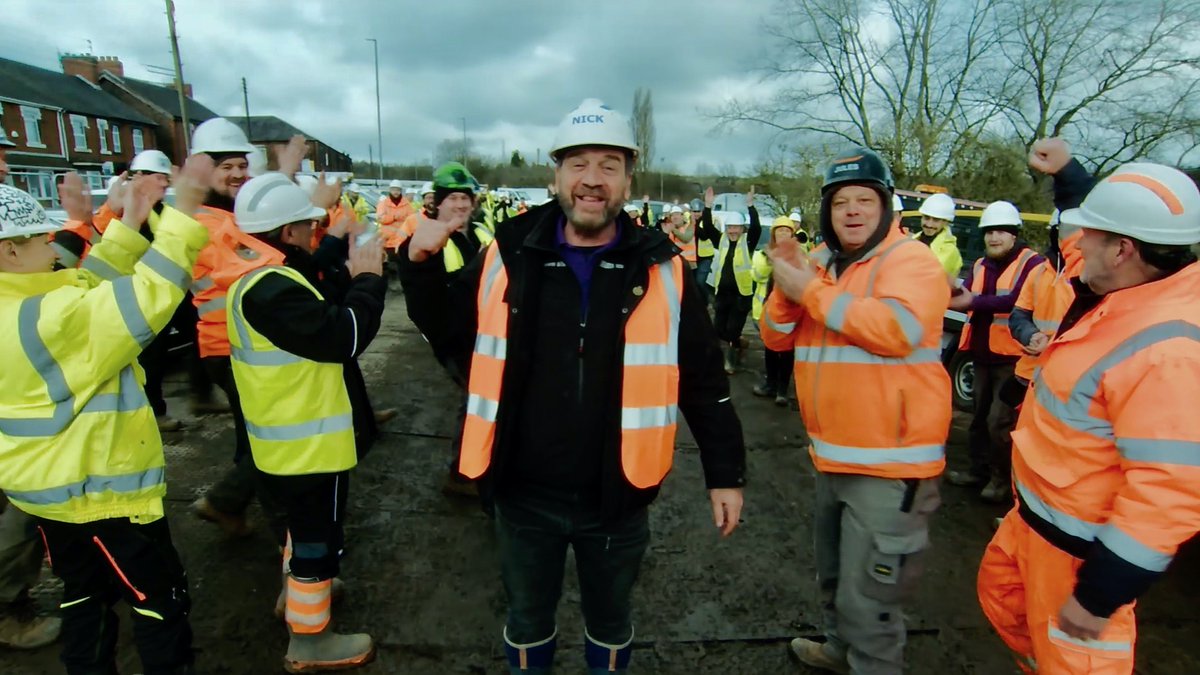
271 133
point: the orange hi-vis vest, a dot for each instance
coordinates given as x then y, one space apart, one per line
873 394
650 382
391 217
688 248
90 233
229 255
1107 448
1000 340
1048 294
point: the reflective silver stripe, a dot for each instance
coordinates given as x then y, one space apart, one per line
1096 645
491 273
666 271
48 369
873 456
129 396
1133 551
239 323
65 258
202 284
275 357
822 256
1069 524
100 268
913 331
836 317
167 268
650 355
1000 320
301 430
1183 453
309 619
490 345
785 328
1046 326
883 256
95 237
1075 412
131 312
308 598
214 305
857 355
648 418
484 408
129 482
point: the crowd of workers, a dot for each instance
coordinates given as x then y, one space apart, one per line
1086 361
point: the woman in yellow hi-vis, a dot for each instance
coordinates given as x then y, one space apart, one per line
79 446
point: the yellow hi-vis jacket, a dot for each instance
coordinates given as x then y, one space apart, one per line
298 413
78 439
945 247
741 266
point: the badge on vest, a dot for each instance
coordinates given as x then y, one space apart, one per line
248 253
639 291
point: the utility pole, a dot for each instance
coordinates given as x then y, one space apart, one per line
464 143
378 114
370 155
179 77
246 102
661 169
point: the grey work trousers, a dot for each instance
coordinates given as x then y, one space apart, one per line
871 538
21 553
989 437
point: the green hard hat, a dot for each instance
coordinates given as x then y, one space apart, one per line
454 176
859 165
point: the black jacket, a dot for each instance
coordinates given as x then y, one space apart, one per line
558 430
335 330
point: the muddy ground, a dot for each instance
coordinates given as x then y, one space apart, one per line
423 579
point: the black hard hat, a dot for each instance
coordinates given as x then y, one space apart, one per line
859 165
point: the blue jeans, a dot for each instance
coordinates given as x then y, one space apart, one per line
534 536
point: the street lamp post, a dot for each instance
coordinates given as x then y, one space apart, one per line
661 170
378 114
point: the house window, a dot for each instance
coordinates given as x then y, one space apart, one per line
102 127
138 144
116 139
33 126
79 127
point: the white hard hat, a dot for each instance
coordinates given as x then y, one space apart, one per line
308 184
395 184
675 209
21 215
593 123
897 204
271 201
257 162
633 207
940 206
427 188
153 161
1151 203
353 187
734 218
1000 214
220 135
795 217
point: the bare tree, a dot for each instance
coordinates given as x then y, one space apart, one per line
643 127
455 150
1118 77
901 76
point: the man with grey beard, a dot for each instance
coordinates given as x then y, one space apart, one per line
585 335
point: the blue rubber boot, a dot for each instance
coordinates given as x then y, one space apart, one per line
603 658
535 658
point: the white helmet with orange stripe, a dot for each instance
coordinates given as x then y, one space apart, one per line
1151 203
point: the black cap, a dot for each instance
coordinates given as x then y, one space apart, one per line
859 166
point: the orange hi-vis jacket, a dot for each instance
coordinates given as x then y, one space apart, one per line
90 233
1000 340
689 247
873 394
1047 294
1106 454
391 218
650 382
229 255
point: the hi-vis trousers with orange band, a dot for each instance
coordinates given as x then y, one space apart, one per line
315 506
1024 581
108 560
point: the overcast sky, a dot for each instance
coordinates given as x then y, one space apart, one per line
511 68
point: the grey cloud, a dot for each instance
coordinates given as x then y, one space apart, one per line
512 69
